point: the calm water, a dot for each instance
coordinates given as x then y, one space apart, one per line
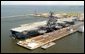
73 43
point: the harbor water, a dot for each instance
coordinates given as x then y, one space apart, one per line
73 43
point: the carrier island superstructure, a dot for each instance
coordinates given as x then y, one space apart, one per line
42 34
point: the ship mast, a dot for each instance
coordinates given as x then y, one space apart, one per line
51 20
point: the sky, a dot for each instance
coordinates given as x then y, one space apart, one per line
42 2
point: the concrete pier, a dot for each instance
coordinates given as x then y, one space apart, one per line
38 41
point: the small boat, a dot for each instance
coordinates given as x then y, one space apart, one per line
48 45
81 29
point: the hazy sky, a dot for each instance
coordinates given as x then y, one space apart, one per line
42 2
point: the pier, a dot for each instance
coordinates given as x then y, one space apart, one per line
38 41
